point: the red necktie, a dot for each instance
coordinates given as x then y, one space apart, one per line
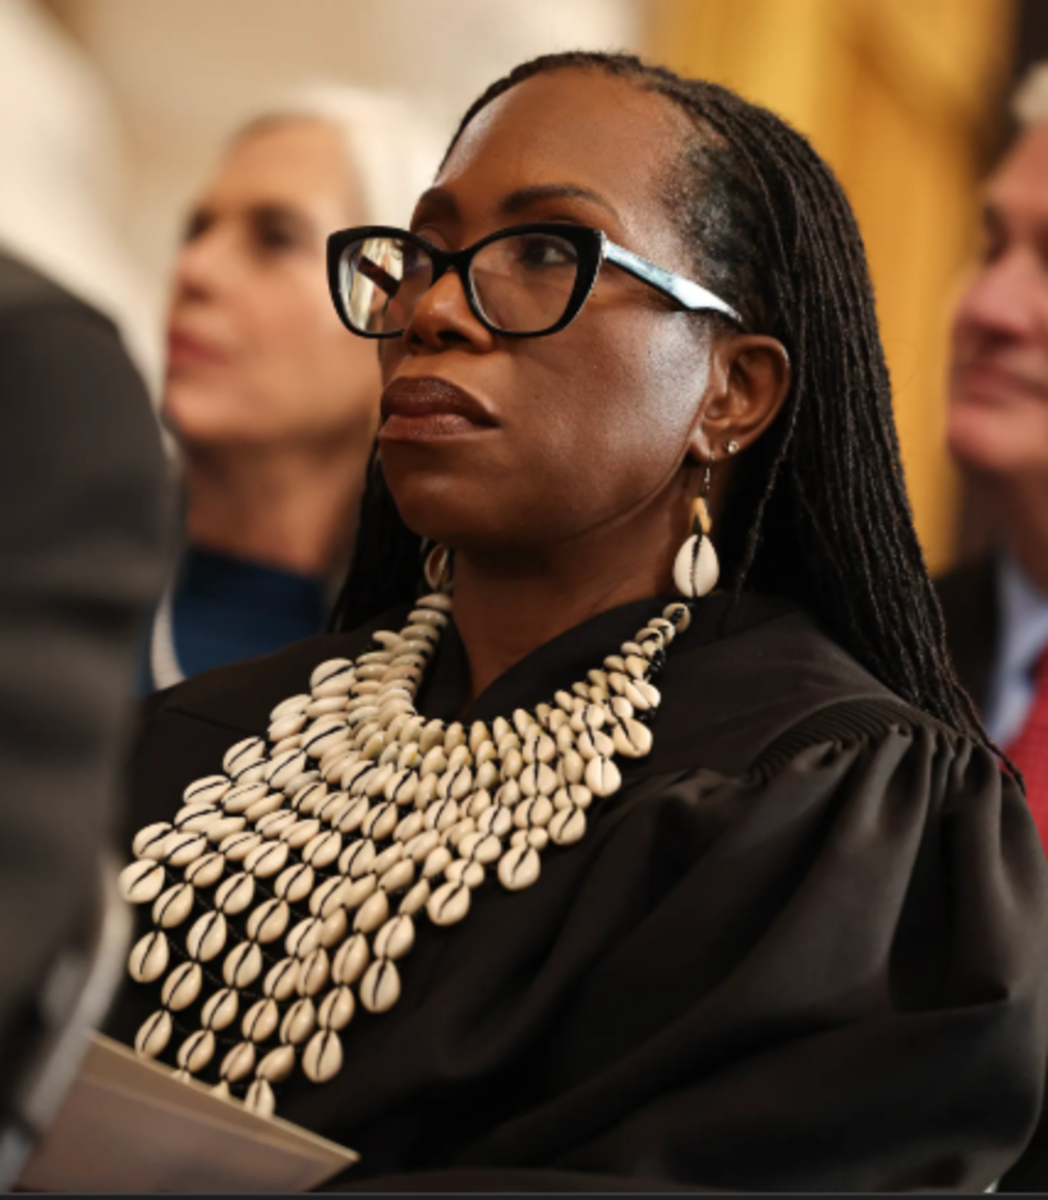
1029 750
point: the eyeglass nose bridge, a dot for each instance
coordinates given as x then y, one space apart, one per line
458 261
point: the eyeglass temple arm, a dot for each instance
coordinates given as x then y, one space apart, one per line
691 295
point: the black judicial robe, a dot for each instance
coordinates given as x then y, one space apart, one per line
803 948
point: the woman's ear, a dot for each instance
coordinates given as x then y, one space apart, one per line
748 384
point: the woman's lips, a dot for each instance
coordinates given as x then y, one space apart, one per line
186 350
415 410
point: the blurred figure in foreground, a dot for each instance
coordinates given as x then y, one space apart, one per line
273 407
83 522
997 608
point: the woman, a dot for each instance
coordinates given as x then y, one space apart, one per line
273 408
775 920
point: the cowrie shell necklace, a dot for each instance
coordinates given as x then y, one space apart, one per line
297 874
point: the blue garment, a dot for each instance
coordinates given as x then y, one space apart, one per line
1023 637
227 608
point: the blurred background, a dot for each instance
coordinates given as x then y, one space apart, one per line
905 98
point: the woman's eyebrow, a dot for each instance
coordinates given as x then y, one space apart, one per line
524 197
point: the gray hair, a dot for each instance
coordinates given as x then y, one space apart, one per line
393 149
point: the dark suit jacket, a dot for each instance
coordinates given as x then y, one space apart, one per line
84 521
968 595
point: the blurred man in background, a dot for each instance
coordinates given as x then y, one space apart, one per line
997 608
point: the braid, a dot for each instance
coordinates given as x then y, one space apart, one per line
818 509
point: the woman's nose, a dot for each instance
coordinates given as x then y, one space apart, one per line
1007 297
443 317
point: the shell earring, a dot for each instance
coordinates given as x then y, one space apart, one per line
696 569
439 569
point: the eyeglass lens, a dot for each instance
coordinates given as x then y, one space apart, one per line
521 283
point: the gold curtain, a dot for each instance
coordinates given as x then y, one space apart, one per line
898 96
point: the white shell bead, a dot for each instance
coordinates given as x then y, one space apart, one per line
207 937
234 895
568 826
333 928
208 790
359 891
219 830
380 987
448 904
352 957
196 1051
295 883
399 876
220 1010
602 776
519 867
471 874
357 858
142 881
182 986
286 725
437 859
277 1064
297 835
195 818
260 1020
314 972
260 1099
632 739
323 850
299 1022
395 938
696 570
353 816
337 1009
322 1058
149 842
415 899
250 750
281 980
274 824
381 821
149 958
268 921
206 871
303 938
238 1063
285 767
266 860
154 1034
173 906
329 896
325 705
242 965
264 806
291 704
536 810
372 913
241 798
331 678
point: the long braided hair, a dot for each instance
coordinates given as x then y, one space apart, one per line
818 508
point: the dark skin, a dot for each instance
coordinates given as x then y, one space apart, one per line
576 499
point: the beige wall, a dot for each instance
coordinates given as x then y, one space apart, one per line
899 96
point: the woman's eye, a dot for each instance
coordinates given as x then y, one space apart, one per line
538 251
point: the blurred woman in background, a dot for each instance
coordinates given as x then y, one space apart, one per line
273 408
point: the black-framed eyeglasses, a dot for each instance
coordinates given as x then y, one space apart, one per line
524 281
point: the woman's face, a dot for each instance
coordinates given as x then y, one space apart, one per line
256 354
581 430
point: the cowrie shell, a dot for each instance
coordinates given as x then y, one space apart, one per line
281 980
337 1009
149 842
304 937
220 1010
415 899
196 1051
462 871
575 795
260 1099
331 895
519 867
380 987
352 816
602 776
260 1020
291 704
241 798
298 835
632 739
238 846
314 972
359 891
266 860
154 1034
182 986
207 937
357 858
238 1063
535 811
250 750
208 790
350 961
305 800
242 965
322 850
206 871
322 1058
277 1064
295 883
173 906
234 895
195 817
329 677
497 820
273 825
149 958
372 913
399 876
333 928
567 826
286 726
395 938
219 830
284 768
268 921
142 881
448 904
381 821
264 806
299 1022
